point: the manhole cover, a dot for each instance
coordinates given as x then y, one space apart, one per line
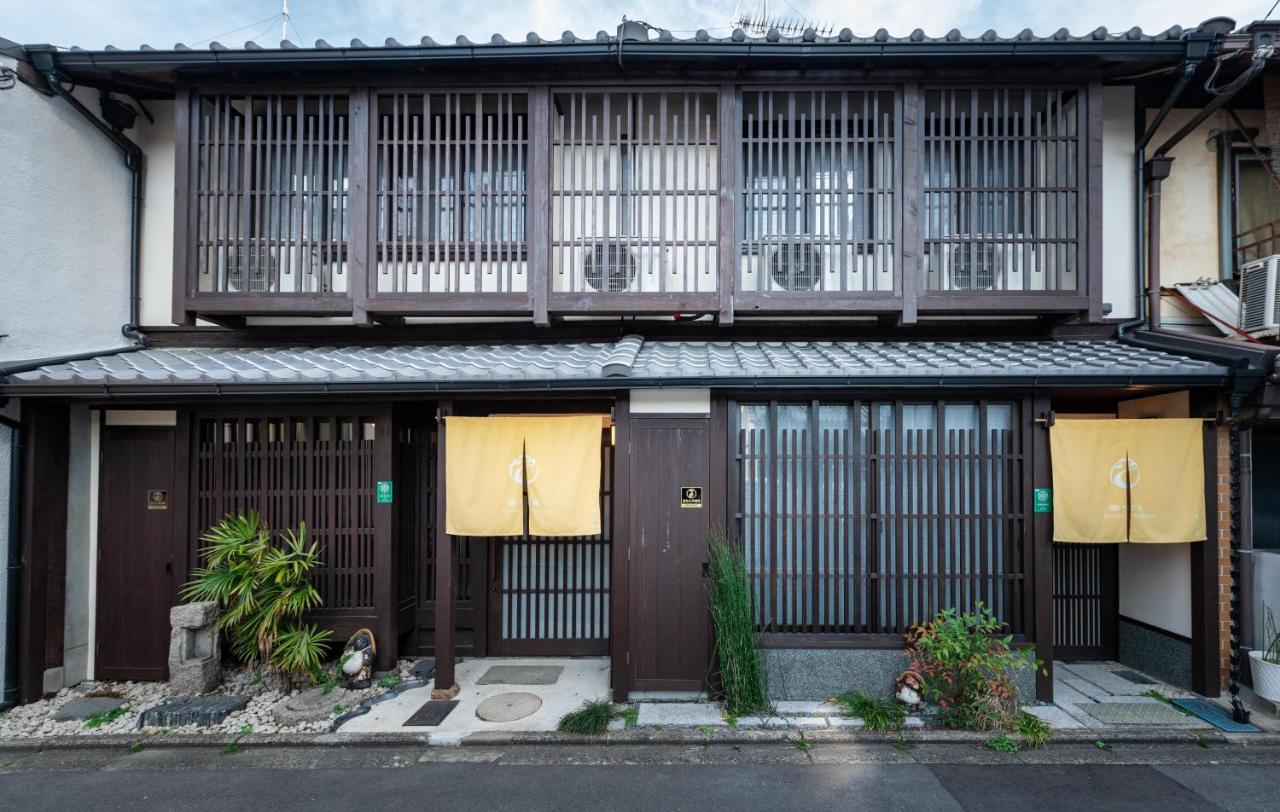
508 707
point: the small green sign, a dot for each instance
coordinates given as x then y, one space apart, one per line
384 491
1043 500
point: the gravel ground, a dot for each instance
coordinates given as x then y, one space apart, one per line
35 719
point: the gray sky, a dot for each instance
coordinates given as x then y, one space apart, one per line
161 23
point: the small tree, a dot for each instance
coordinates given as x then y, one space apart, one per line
263 589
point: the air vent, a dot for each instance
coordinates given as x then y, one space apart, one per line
973 267
610 268
796 267
1259 296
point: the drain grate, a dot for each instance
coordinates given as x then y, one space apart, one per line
202 711
432 713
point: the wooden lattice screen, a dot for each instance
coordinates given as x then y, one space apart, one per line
868 517
1002 189
313 469
817 188
451 192
270 193
633 192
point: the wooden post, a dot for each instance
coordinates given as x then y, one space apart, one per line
41 594
619 598
910 251
1206 670
184 271
1040 527
446 686
730 143
384 560
538 239
362 249
1090 211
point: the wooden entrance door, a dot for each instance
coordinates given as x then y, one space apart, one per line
136 539
669 633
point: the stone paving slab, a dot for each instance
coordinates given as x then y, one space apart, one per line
1104 679
1062 692
521 675
1087 689
680 714
85 706
798 708
1156 713
1056 717
796 722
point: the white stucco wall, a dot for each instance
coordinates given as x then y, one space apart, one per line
1155 585
6 445
64 229
1118 265
156 141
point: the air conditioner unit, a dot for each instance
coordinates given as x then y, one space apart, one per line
610 266
812 265
991 264
1259 307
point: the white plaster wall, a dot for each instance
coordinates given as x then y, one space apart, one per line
64 229
1155 585
1119 287
81 524
156 141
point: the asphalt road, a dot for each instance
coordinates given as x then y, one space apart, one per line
774 777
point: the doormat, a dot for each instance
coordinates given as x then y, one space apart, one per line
432 713
1134 676
1215 716
202 711
1137 713
521 675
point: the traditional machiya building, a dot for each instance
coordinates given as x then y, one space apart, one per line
515 326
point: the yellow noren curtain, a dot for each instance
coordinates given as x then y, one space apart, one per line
483 471
562 458
1128 480
1088 505
1166 487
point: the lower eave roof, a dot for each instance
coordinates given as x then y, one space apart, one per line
629 362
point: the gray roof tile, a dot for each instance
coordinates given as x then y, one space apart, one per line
630 359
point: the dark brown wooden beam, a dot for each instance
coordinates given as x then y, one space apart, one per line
384 540
446 684
620 591
1040 542
43 539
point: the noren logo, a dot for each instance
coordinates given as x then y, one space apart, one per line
1125 473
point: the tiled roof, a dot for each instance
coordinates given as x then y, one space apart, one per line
630 361
809 37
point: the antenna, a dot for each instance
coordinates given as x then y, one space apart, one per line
759 22
284 14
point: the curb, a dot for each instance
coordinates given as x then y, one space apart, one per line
629 737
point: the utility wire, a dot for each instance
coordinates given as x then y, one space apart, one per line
1272 11
272 19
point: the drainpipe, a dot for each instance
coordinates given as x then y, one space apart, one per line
13 565
1198 47
45 61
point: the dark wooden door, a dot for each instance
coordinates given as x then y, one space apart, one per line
668 545
136 540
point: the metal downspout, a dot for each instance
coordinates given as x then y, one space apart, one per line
1191 63
13 565
1239 712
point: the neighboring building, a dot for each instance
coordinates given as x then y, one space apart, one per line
65 237
829 295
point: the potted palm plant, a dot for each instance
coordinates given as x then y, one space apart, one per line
1265 663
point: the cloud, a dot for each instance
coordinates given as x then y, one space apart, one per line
129 23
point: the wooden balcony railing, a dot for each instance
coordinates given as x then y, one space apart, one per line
541 201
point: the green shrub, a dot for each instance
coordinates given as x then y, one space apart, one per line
1003 744
592 719
1033 730
742 678
968 669
877 714
263 588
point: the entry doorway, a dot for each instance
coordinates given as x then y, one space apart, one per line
669 520
1085 602
137 525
